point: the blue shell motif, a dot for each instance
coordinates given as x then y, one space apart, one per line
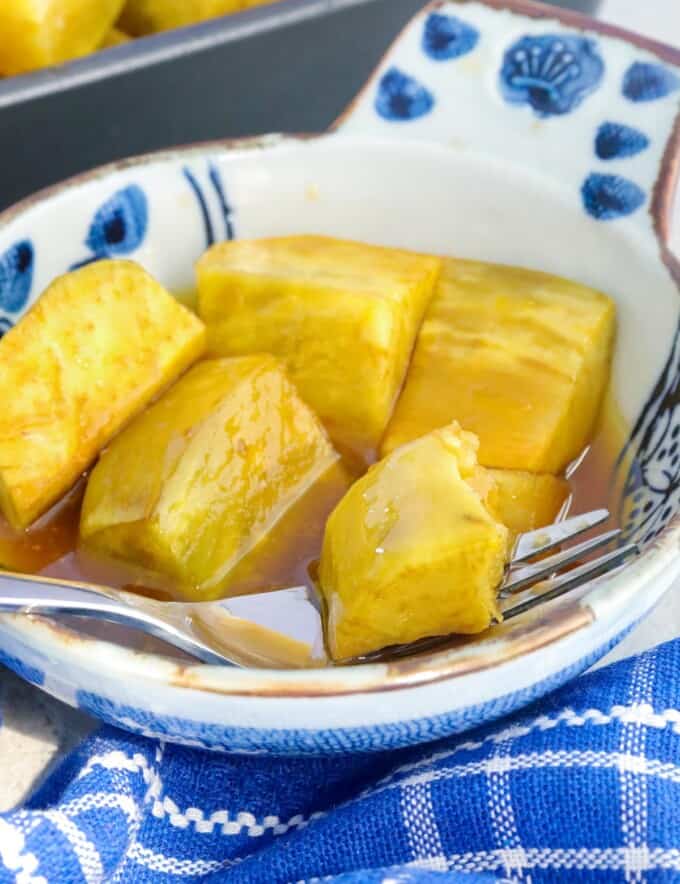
648 82
551 73
616 141
651 492
16 276
607 197
401 97
446 37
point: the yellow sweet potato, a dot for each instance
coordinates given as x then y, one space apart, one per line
412 549
115 37
519 358
526 501
38 33
343 316
96 347
196 482
149 16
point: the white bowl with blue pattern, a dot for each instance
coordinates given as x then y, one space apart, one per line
495 130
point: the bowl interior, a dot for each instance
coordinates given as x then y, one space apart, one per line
163 211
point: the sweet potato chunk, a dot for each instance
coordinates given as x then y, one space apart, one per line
198 480
38 33
342 315
519 358
148 16
412 550
526 501
94 350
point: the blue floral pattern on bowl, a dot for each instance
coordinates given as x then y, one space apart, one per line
651 459
551 73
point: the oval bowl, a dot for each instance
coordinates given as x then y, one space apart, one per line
495 130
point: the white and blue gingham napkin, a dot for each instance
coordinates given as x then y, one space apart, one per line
583 786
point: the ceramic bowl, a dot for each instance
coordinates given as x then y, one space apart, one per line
495 130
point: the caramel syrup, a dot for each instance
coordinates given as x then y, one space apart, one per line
596 482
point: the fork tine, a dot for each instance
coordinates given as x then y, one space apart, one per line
533 543
524 577
572 579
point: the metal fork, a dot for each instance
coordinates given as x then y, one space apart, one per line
284 628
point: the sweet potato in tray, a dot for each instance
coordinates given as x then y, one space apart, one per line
142 17
38 33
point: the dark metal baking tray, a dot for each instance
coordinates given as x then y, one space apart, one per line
290 67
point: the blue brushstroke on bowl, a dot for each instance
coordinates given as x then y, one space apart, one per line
225 207
644 81
119 226
615 141
446 37
401 97
608 197
16 276
197 191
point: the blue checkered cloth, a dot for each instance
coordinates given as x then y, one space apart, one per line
583 786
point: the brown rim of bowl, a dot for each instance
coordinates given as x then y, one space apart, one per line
429 668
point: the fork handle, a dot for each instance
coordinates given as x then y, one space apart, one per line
21 594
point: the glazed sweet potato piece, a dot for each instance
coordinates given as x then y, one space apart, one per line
519 358
95 349
412 549
196 482
343 316
38 33
526 501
